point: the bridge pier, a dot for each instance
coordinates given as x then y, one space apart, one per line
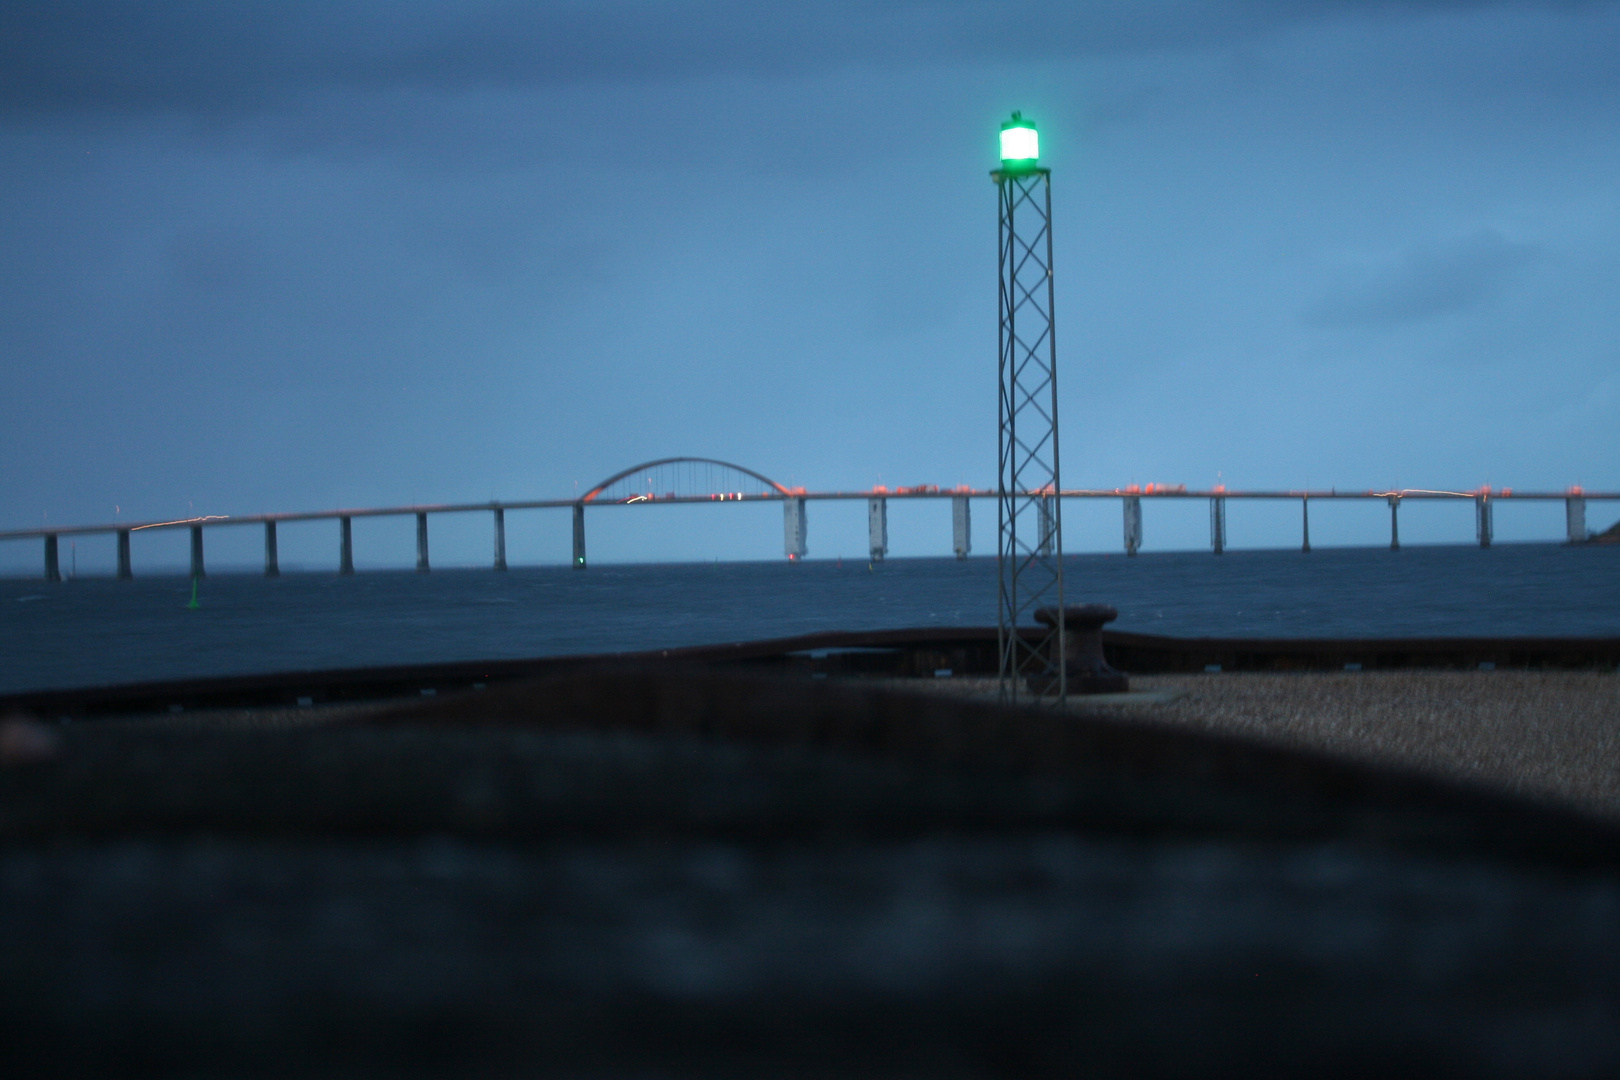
346 546
53 568
500 538
272 561
877 528
1575 519
1305 523
579 536
1482 518
421 543
1217 523
124 571
1047 510
961 526
1394 523
197 570
795 529
1133 524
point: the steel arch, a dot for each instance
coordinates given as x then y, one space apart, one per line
591 495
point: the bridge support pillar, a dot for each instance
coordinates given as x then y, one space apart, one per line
272 561
1394 523
1047 512
346 546
1217 523
1482 518
579 536
421 543
500 538
124 570
197 570
961 526
877 528
795 529
1575 519
1133 524
53 567
1305 523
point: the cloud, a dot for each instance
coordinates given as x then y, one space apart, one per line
195 56
1459 275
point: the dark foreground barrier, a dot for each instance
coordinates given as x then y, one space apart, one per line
921 652
633 872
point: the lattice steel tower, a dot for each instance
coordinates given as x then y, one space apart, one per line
1029 547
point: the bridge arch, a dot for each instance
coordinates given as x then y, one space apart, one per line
684 477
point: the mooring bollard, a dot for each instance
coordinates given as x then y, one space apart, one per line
1086 668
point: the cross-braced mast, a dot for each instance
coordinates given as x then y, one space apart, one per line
1030 545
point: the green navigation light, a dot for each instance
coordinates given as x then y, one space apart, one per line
1020 145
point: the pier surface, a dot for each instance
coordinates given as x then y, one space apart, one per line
646 871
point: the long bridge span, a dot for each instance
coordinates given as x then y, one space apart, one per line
687 480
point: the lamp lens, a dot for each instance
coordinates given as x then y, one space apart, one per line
1020 144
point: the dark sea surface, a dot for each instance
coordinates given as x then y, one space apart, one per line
102 631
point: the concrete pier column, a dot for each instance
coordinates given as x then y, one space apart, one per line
1394 523
1133 524
877 528
1575 518
272 560
1482 518
579 536
1305 523
124 570
500 538
1046 512
197 570
346 546
1217 523
421 543
795 529
53 568
961 526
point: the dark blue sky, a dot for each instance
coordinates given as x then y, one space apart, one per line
297 256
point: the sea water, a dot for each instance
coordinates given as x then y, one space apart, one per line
102 631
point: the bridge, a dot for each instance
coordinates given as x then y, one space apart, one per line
687 480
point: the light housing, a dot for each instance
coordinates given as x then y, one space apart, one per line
1020 144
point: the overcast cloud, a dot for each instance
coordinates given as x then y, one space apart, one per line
295 256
